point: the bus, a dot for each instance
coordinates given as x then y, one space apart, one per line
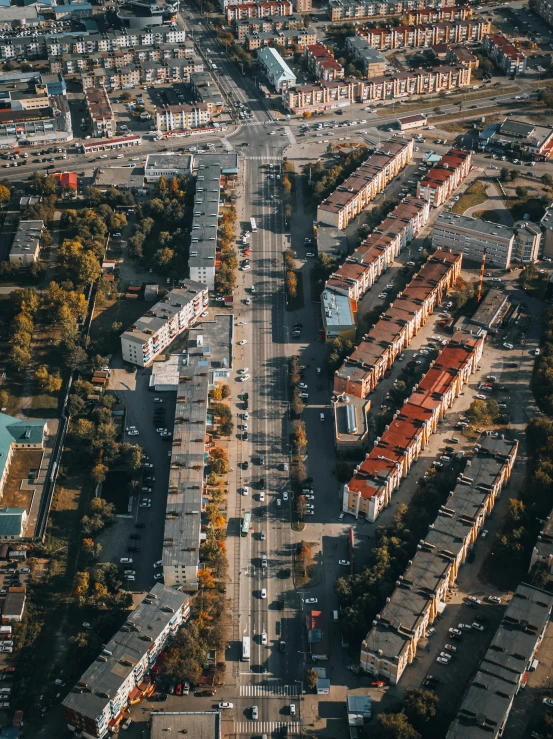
246 524
245 649
253 225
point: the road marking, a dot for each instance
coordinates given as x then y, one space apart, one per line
254 691
264 159
264 727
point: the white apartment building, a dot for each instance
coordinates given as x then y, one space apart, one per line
26 244
471 236
163 322
182 117
95 705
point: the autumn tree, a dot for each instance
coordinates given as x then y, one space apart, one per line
206 579
311 677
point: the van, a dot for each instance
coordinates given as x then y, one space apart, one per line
335 616
322 416
319 370
533 666
126 561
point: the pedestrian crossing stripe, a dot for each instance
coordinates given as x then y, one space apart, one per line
265 727
264 159
258 691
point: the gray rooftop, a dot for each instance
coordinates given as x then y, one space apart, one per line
274 63
489 309
362 48
337 310
198 724
487 228
210 343
101 681
488 699
27 238
119 177
158 315
169 162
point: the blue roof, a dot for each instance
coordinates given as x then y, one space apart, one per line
17 431
337 309
10 521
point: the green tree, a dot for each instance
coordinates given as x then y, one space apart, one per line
420 706
504 174
521 192
394 726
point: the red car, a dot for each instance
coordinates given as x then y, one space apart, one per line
178 689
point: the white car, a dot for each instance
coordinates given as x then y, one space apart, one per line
474 599
204 314
285 495
493 599
311 601
225 705
159 563
264 638
245 490
242 342
263 593
134 432
158 576
146 503
243 378
245 267
344 562
507 345
272 133
243 371
262 497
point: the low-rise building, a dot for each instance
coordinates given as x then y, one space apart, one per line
426 35
337 316
371 60
501 674
278 73
542 553
444 177
518 139
14 605
303 6
381 473
461 55
167 165
317 637
96 704
17 434
504 53
421 592
100 112
546 224
412 121
184 117
490 310
351 425
328 95
377 253
13 523
355 9
387 339
205 90
114 73
361 187
122 142
544 8
25 249
322 64
151 334
474 236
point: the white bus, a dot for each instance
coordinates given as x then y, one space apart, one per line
245 649
253 225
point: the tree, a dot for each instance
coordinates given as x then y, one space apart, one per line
41 375
395 726
206 579
4 398
291 284
311 677
504 174
98 473
81 584
521 192
5 193
54 384
19 357
87 545
420 706
547 180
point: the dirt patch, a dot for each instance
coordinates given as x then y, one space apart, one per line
305 562
23 463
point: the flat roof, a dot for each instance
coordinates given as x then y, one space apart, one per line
169 162
489 309
210 342
27 238
337 310
478 225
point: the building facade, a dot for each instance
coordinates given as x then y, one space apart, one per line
444 177
361 187
150 335
504 53
278 73
353 9
426 35
100 112
183 117
322 64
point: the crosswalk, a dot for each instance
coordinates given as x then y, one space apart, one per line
258 691
264 159
265 727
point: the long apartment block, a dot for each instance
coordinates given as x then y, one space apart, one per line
544 8
120 674
151 334
391 644
300 37
365 367
444 177
343 9
375 480
322 63
361 187
268 24
337 94
237 13
503 672
72 63
426 35
361 270
116 76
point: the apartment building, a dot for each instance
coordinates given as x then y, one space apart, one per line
182 117
444 177
503 671
303 6
116 40
114 75
211 170
542 553
381 473
518 139
391 335
74 62
237 13
204 90
361 187
338 316
119 675
167 165
151 334
504 53
287 38
371 60
354 9
321 63
329 95
25 249
432 15
269 24
361 270
100 112
472 236
421 592
544 8
278 73
426 35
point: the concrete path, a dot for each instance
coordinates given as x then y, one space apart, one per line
496 203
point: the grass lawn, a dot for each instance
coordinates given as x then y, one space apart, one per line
298 302
22 463
474 195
